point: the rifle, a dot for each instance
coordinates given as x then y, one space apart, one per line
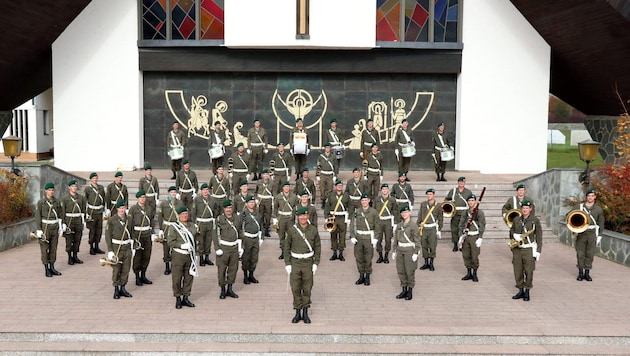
472 218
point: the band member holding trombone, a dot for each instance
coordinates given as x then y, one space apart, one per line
119 245
458 197
95 199
229 248
430 220
362 230
167 217
472 226
181 236
141 219
407 245
48 213
337 208
387 207
73 205
589 236
526 239
264 196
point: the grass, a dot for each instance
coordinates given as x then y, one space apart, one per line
567 156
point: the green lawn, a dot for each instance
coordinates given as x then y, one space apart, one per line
566 156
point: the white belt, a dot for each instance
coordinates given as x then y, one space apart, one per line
187 190
258 144
240 170
141 228
228 243
301 255
461 208
590 227
122 242
281 169
327 172
355 197
473 233
152 195
363 232
179 250
285 213
169 223
431 225
113 202
386 217
376 170
247 234
74 215
95 207
218 196
368 144
527 245
49 222
402 200
406 244
265 196
341 213
205 219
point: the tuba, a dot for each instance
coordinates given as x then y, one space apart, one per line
510 215
577 221
448 209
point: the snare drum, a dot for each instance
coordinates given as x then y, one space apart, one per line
447 155
216 152
299 143
176 152
339 151
408 150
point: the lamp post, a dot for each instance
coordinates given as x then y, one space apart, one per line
12 148
588 153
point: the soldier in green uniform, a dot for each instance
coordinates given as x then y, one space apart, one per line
458 197
472 237
167 217
203 217
181 236
217 139
335 138
402 192
355 187
73 207
587 241
264 196
150 185
516 201
374 171
406 246
306 183
282 167
48 213
403 138
284 213
95 206
526 231
430 221
369 136
257 139
241 166
116 191
239 199
300 158
119 245
328 168
140 219
305 202
386 207
176 138
440 143
337 205
220 190
303 250
229 249
362 229
187 184
252 239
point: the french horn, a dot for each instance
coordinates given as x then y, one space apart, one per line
330 224
510 215
105 262
448 209
577 221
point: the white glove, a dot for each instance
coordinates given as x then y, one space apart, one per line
460 242
361 155
381 178
274 221
157 202
219 252
288 269
479 242
314 268
260 242
317 178
177 196
396 152
186 246
374 241
153 237
240 252
414 257
110 255
247 177
537 256
39 233
291 150
410 207
365 177
194 195
439 234
161 233
230 175
334 179
394 226
413 143
308 150
127 211
107 212
64 227
133 252
84 225
354 240
517 237
249 152
266 151
599 240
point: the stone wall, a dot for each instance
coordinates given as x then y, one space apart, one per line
604 130
16 234
614 246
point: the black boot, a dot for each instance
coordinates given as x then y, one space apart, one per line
361 279
380 257
252 278
526 295
305 317
281 257
580 274
519 295
267 234
468 275
296 319
409 295
116 292
402 294
178 302
144 278
54 271
222 295
173 177
202 260
367 279
438 177
431 268
230 292
70 259
187 302
167 268
334 256
76 259
246 277
208 261
124 292
47 269
341 258
425 265
386 258
97 249
92 252
587 275
138 279
455 248
474 276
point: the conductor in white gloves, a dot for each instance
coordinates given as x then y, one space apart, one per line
407 244
302 251
228 242
527 236
48 213
472 224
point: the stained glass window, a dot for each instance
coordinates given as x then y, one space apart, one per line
212 20
387 20
421 18
416 20
183 19
445 25
153 19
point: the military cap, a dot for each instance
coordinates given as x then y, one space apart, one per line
220 166
49 185
226 203
72 182
400 174
305 169
140 193
249 198
333 120
374 144
369 119
172 187
327 144
404 208
384 185
472 196
520 186
430 190
217 123
356 170
440 124
239 144
265 170
302 210
365 196
256 119
338 181
93 174
461 179
403 120
280 143
185 161
298 119
242 183
304 192
118 174
147 167
590 191
204 186
526 203
120 203
286 182
175 122
182 209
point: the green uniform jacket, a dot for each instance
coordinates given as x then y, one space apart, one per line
285 204
114 193
167 211
94 197
201 208
401 139
251 222
150 186
120 229
312 213
241 161
478 224
239 202
521 225
309 185
595 219
516 203
228 230
437 144
261 137
264 189
72 205
220 186
356 189
436 215
391 208
363 220
406 233
281 161
375 163
186 181
327 163
296 243
175 239
459 198
403 191
331 203
217 138
335 137
180 139
140 216
368 138
48 210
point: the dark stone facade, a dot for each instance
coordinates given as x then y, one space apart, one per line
603 129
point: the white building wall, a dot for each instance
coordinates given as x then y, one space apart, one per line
503 91
39 134
97 89
333 24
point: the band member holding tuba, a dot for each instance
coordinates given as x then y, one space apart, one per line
355 188
264 196
441 143
587 240
374 171
119 245
526 239
95 200
403 191
284 213
150 185
387 207
306 183
203 217
229 249
328 168
181 236
369 136
167 217
48 213
406 246
116 191
257 140
404 142
363 229
513 205
472 226
140 219
187 184
216 142
282 170
303 250
252 239
220 190
73 207
430 220
458 196
298 141
334 136
337 205
176 142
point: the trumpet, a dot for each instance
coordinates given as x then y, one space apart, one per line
577 221
33 235
330 224
105 262
510 215
448 209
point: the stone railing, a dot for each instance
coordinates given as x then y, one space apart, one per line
16 233
614 246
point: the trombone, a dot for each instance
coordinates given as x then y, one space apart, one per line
577 221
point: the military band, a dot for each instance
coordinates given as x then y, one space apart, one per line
252 239
386 207
516 201
240 170
527 234
187 184
141 222
406 247
220 189
257 139
355 188
228 244
95 207
115 192
458 196
402 192
181 236
305 202
328 168
299 147
216 142
203 217
264 195
306 183
440 143
119 247
337 205
284 213
283 161
363 230
472 226
176 139
587 241
73 208
48 213
430 220
167 217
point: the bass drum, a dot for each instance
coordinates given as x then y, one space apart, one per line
216 152
447 155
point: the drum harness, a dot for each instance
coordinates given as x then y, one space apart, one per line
332 168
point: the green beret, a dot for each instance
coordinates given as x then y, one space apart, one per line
370 120
365 196
175 122
400 174
430 190
242 183
298 119
384 185
374 144
120 203
185 161
220 166
333 120
472 196
440 124
226 203
140 193
305 169
304 192
590 191
204 186
49 185
249 198
356 170
403 120
302 210
404 208
280 143
256 119
147 167
240 144
72 182
526 203
182 209
461 179
286 182
520 186
217 123
172 187
265 170
93 174
118 174
338 181
327 144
